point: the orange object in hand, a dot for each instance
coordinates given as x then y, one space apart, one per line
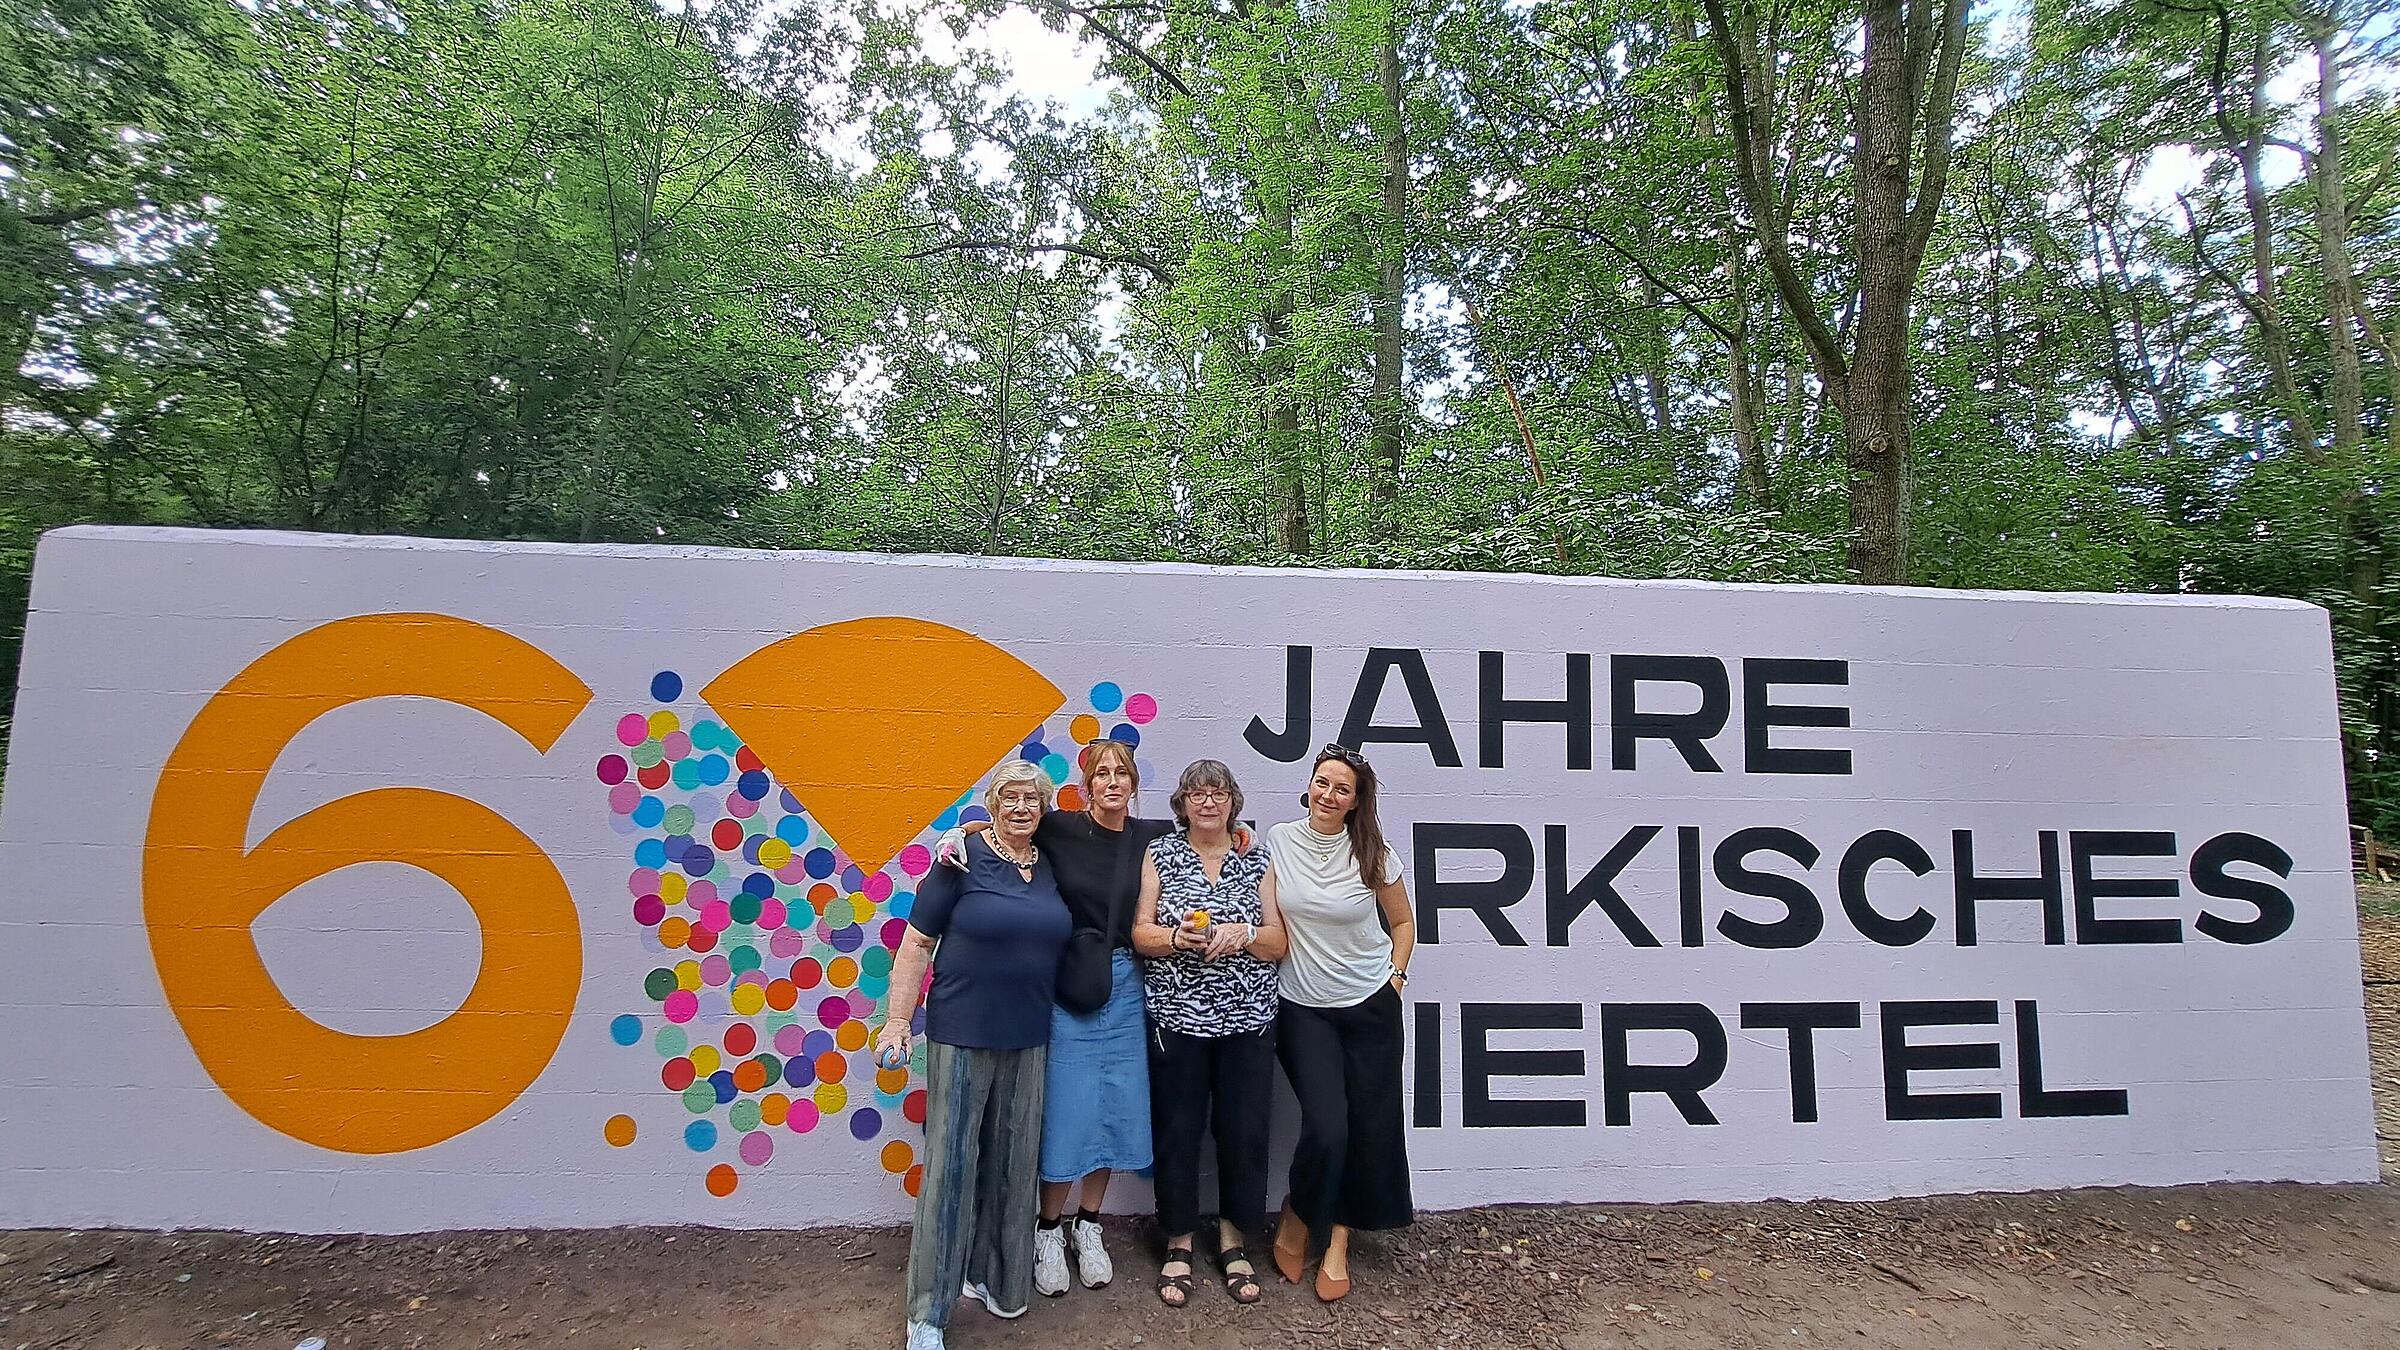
1200 919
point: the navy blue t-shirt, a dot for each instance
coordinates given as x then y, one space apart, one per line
995 970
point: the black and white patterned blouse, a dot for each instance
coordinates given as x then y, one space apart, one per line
1187 993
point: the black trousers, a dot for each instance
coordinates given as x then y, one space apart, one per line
1351 1165
1197 1082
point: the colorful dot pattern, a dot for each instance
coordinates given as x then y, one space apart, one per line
773 949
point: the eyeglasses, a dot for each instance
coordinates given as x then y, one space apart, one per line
1207 795
1020 799
1337 750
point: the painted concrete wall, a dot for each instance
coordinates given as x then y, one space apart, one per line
385 885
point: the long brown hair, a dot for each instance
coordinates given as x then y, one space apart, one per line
1111 749
1366 830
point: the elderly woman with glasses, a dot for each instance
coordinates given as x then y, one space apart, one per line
1337 1027
992 933
1210 940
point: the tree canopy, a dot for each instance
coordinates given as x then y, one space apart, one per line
2041 294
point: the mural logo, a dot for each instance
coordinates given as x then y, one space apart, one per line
776 858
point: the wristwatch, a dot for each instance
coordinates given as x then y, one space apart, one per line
1402 977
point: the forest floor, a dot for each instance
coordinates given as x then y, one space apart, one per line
2248 1267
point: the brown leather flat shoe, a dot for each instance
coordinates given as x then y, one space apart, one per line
1329 1289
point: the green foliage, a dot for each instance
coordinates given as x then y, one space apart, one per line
809 275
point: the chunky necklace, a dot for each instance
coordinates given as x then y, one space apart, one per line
1025 864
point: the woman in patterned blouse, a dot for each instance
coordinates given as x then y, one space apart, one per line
1211 943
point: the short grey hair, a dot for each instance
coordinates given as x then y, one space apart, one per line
1009 775
1205 773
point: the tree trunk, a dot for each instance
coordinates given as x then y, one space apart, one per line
1874 405
1385 403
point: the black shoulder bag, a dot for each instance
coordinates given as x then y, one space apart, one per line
1084 977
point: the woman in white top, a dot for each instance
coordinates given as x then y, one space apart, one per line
1338 1025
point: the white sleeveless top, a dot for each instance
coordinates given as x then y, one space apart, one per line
1340 955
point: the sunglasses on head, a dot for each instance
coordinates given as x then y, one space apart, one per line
1337 750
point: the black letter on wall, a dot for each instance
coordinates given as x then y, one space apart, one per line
2085 845
1761 715
1972 890
1494 708
1598 887
1486 898
1432 729
1803 917
1900 1059
2209 877
1478 1064
1290 745
1679 1083
1801 1020
1628 727
2035 1102
1883 846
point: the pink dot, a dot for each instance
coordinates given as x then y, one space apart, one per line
860 1004
716 916
802 1118
915 859
644 881
834 1011
1140 709
681 1006
786 944
757 1147
648 910
715 970
793 873
633 729
701 893
740 807
624 797
770 914
790 1040
893 931
676 744
878 887
612 769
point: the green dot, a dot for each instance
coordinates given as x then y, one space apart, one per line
777 1021
671 1041
646 755
679 820
700 1098
876 961
720 874
743 959
772 1065
745 908
743 1116
658 984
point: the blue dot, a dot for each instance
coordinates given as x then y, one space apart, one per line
722 1081
973 813
714 770
1031 752
1107 697
819 862
759 884
865 1122
648 812
699 860
792 830
791 804
900 904
1055 766
708 735
753 785
626 1029
1122 731
946 819
666 686
687 774
650 853
700 1136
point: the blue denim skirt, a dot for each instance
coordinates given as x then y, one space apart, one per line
1096 1104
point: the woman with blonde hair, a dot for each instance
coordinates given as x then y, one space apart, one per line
992 932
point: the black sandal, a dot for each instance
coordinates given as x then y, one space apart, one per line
1241 1285
1181 1284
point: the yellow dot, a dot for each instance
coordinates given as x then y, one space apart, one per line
842 972
861 909
748 999
705 1060
774 1108
897 1155
890 1081
851 1035
662 722
618 1131
831 1098
1084 729
687 976
671 888
774 855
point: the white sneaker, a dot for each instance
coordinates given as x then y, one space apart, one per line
983 1294
925 1336
1050 1261
1091 1259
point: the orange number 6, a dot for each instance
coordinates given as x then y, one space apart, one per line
201 889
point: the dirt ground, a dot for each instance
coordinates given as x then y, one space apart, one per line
2241 1267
